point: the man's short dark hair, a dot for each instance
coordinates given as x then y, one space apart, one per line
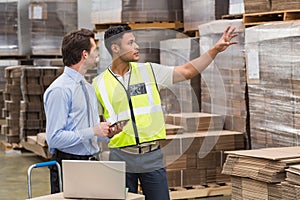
114 33
74 43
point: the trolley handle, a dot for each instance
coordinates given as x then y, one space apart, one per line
45 164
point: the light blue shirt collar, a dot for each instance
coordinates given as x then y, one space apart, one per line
73 74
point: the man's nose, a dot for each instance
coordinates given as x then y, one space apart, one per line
136 46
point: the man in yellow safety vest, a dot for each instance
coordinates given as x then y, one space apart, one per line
130 90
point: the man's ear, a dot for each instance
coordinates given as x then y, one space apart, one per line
115 48
85 54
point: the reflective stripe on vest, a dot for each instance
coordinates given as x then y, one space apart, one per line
140 103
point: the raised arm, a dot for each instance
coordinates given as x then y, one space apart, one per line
196 66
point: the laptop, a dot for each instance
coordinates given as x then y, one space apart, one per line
93 179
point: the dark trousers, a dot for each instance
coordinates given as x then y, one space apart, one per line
154 184
59 156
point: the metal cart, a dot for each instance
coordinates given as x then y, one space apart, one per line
42 164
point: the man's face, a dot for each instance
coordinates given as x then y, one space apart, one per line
129 50
93 57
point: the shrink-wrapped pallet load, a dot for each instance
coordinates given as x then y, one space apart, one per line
273 81
279 5
1 106
104 56
236 7
123 11
257 6
50 20
14 32
197 12
148 41
183 96
223 83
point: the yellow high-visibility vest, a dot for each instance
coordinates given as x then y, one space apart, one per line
140 103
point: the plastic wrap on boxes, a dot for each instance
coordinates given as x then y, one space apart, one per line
223 83
181 97
1 104
196 12
148 11
256 6
48 62
273 59
178 51
106 11
123 11
148 41
104 56
9 16
285 5
84 14
14 33
236 7
50 20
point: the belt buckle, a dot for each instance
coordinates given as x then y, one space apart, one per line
141 150
94 158
145 149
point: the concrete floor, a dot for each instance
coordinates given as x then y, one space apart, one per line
13 175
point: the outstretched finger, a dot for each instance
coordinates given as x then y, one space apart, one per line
232 30
234 35
227 29
233 42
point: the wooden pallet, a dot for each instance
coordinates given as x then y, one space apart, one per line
253 19
54 53
235 16
46 56
170 25
106 26
34 145
143 25
210 190
5 146
14 57
188 34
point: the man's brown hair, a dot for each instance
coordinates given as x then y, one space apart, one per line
74 43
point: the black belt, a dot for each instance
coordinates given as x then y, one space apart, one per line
68 156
